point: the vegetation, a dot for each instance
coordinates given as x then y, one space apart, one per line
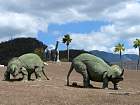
137 45
40 52
17 47
67 40
73 53
120 48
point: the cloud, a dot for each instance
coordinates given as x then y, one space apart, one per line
106 39
26 17
17 25
131 51
94 40
124 12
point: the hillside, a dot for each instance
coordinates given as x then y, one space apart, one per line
17 47
73 53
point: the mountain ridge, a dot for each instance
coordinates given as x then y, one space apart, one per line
110 57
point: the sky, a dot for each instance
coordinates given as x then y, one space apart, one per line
92 24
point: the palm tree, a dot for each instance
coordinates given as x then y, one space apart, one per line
67 40
137 45
120 48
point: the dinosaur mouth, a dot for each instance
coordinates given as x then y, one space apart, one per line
120 78
14 75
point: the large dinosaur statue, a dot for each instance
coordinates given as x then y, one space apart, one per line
26 64
95 69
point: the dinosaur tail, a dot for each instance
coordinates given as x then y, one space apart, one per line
71 69
45 64
44 71
45 74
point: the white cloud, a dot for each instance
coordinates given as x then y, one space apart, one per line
131 51
125 19
26 17
16 24
93 40
29 16
124 12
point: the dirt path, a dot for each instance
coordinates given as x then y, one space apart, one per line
54 91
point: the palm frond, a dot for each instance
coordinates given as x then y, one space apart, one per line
119 47
67 39
136 43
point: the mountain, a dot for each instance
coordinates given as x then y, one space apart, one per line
110 57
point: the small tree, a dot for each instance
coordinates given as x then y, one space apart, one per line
67 40
120 48
137 45
40 52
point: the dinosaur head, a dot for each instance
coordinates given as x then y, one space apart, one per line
13 70
115 74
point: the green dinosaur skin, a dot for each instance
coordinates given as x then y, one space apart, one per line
26 65
95 69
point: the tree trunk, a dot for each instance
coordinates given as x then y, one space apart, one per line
68 52
121 63
138 60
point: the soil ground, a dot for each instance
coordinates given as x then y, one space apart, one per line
55 91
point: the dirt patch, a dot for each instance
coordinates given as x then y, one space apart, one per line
55 91
125 93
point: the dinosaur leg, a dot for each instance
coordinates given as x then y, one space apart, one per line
86 80
105 81
38 71
25 74
81 68
7 75
71 69
29 76
105 84
115 86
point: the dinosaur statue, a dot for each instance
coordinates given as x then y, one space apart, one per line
55 53
26 64
48 54
95 69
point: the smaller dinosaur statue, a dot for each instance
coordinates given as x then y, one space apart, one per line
55 52
95 69
26 64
